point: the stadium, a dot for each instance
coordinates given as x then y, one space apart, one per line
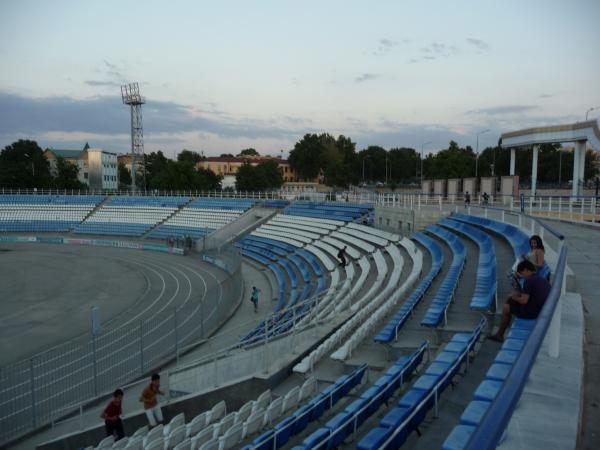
385 351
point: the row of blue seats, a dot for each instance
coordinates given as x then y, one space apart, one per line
484 296
390 332
165 231
319 214
222 203
436 313
133 200
518 240
412 408
256 243
52 199
342 425
488 389
276 203
339 206
37 225
113 228
281 433
271 242
257 249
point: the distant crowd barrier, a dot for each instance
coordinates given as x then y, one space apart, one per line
94 243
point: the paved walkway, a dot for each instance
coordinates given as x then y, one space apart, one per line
584 259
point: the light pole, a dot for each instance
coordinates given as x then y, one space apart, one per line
477 151
364 158
422 147
590 110
386 169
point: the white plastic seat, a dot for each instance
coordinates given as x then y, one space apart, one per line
231 437
157 444
107 442
213 444
175 437
224 425
262 401
185 445
273 412
140 432
309 386
202 437
217 412
120 444
175 422
135 443
244 412
291 399
254 423
153 434
197 423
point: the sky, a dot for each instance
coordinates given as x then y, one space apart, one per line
219 77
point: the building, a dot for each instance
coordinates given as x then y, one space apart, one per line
102 169
97 168
78 158
228 166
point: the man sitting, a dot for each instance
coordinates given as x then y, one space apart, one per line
525 303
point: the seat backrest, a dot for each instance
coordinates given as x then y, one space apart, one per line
184 445
213 444
254 422
263 400
154 433
217 412
156 444
274 410
120 444
176 436
197 423
244 412
202 437
107 442
291 398
307 388
141 432
135 443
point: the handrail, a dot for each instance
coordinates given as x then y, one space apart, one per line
489 432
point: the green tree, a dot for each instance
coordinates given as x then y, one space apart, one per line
249 152
305 158
227 155
453 162
190 157
264 176
23 165
403 165
66 175
124 177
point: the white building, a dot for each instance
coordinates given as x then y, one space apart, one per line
102 169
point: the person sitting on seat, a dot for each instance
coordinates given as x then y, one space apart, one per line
525 303
537 252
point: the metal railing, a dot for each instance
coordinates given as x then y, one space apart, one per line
32 390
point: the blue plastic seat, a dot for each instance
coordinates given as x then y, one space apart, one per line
458 437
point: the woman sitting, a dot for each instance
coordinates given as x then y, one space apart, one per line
536 254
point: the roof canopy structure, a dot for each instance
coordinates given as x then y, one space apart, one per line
581 133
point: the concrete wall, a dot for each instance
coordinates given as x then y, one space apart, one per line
454 188
470 186
426 186
509 187
439 187
488 184
405 221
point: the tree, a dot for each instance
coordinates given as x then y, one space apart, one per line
264 176
190 157
454 162
66 175
23 165
124 177
403 165
305 158
249 152
227 155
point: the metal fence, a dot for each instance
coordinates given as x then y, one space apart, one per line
34 391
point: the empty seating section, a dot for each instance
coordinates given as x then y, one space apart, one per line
45 213
424 394
484 296
488 389
346 212
201 217
280 434
436 313
390 332
130 215
343 424
518 240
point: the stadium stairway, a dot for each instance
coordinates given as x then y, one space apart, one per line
156 226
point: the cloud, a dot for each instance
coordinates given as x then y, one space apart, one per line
505 109
102 83
546 95
385 45
434 51
366 77
478 44
106 115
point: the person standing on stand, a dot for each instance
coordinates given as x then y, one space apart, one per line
342 255
467 199
254 297
148 397
111 416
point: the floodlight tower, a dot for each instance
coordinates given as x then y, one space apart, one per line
130 93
